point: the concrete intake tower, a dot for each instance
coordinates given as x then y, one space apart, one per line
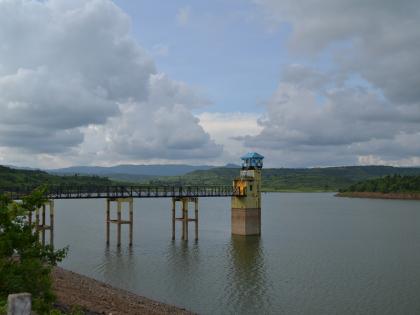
246 209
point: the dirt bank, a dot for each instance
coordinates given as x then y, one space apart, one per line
378 195
73 289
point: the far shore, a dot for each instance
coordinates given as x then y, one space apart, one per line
93 297
298 191
379 195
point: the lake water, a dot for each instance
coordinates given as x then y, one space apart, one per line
318 254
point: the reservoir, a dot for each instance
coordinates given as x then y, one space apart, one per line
318 254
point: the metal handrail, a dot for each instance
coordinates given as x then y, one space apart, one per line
133 191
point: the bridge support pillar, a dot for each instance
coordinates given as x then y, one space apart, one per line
41 225
185 219
119 220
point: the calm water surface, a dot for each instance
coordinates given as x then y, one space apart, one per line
318 254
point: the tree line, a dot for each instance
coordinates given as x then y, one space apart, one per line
387 184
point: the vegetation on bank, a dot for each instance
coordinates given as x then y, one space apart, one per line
278 179
25 265
287 179
387 184
10 177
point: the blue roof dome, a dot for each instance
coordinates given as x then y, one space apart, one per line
252 155
252 160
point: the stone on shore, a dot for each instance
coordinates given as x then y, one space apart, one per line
19 304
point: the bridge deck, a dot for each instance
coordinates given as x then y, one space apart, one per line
139 191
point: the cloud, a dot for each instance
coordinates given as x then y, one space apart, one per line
227 128
319 115
375 160
61 69
169 133
38 98
365 102
378 39
183 15
69 69
162 127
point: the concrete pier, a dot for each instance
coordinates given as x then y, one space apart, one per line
185 219
41 225
246 221
119 220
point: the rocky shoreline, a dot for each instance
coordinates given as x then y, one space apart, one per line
378 195
95 297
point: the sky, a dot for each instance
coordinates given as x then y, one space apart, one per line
306 83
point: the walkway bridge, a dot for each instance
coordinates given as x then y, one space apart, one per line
135 191
121 195
245 202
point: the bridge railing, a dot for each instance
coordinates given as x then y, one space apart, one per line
134 191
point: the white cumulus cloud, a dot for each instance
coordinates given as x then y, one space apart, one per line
365 103
69 69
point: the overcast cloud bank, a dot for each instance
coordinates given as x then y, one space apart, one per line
75 86
362 107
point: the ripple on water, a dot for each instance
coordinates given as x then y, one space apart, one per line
317 255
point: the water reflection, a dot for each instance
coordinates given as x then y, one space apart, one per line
182 266
117 265
317 255
247 284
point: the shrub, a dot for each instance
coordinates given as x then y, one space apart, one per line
25 265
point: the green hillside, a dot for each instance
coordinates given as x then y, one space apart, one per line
387 184
10 177
274 179
286 179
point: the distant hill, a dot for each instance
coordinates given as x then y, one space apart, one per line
289 179
143 170
21 167
274 179
10 177
131 178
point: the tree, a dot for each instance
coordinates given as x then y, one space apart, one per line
25 265
387 184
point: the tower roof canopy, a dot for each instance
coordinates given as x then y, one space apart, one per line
252 155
